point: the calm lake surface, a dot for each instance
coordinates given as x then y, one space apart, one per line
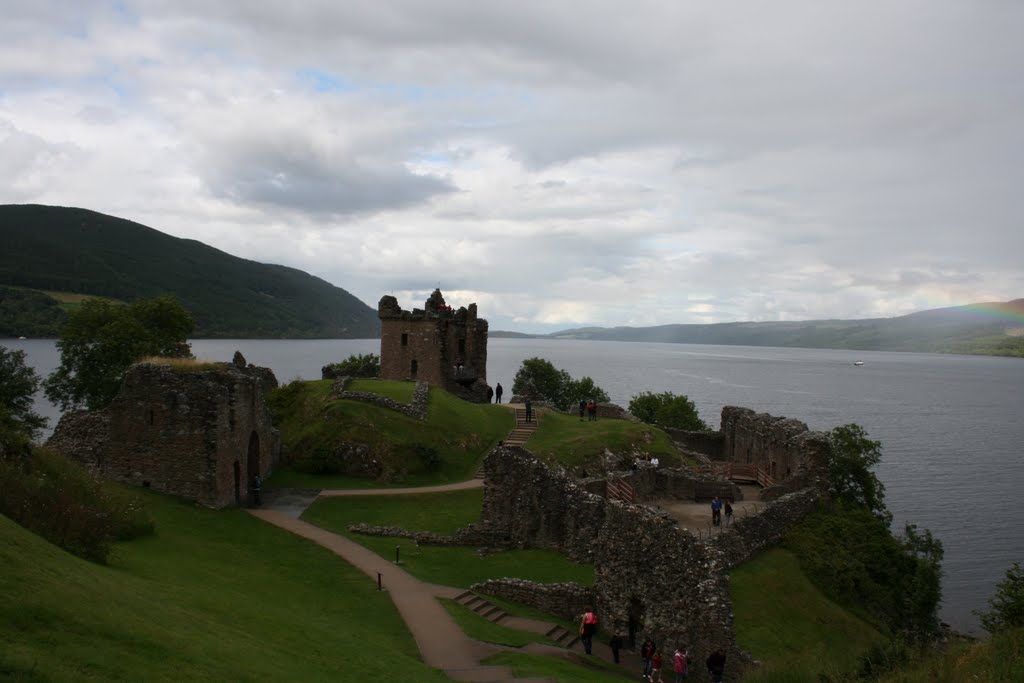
951 426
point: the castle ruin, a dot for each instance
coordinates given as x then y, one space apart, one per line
435 344
199 433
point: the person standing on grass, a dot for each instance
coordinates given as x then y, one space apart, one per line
583 409
646 652
656 661
679 661
615 644
497 393
588 627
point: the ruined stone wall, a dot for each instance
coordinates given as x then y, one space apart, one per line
749 536
709 444
782 446
202 435
565 600
650 577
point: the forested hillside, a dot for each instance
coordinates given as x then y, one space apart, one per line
79 251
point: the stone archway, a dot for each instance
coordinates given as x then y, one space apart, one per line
252 463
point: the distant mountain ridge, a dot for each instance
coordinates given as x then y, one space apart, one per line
987 328
75 250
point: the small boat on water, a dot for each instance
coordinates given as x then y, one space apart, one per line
858 363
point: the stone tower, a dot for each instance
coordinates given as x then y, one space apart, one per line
437 344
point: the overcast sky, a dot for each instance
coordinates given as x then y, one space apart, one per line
559 163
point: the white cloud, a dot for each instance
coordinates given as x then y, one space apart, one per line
563 163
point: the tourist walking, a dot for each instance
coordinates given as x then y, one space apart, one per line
529 411
583 409
490 393
591 411
679 661
588 627
716 511
716 665
646 653
497 393
728 512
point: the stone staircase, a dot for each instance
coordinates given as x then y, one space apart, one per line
523 429
488 610
519 434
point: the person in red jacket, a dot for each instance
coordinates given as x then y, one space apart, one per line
656 662
679 663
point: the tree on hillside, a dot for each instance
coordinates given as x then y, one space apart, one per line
667 410
18 384
101 340
1007 604
356 365
540 380
850 476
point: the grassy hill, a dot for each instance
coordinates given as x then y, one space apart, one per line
989 328
77 251
213 596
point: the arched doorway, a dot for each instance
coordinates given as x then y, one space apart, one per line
252 463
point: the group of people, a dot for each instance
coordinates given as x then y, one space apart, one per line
653 661
590 408
495 393
717 507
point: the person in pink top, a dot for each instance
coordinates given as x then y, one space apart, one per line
679 662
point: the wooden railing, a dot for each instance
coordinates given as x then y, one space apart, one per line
619 489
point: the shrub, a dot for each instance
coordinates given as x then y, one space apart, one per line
63 503
1007 604
667 410
356 365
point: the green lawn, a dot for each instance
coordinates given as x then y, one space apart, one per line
788 624
213 596
459 566
564 439
396 391
575 669
314 428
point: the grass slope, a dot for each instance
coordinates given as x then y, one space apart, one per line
79 251
214 596
788 624
459 566
315 428
565 440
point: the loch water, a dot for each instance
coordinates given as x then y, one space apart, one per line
951 427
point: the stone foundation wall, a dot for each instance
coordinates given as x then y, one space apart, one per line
565 600
416 409
781 446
